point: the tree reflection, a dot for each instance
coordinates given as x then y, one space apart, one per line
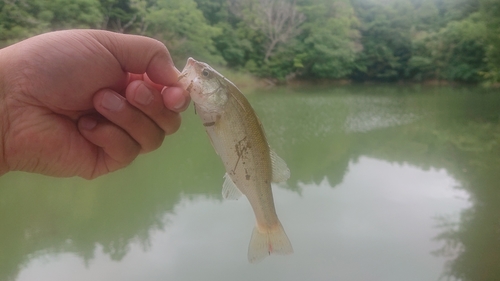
454 130
444 128
466 142
46 216
476 239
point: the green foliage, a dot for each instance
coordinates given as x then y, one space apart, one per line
331 40
232 45
71 13
233 42
467 51
16 21
490 11
21 19
460 9
119 15
426 16
183 29
455 52
387 40
214 11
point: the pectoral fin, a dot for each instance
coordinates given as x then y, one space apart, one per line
229 189
280 170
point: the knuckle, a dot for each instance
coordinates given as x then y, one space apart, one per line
173 124
153 142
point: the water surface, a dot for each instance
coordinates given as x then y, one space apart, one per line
388 183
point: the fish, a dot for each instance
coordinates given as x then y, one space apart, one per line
238 138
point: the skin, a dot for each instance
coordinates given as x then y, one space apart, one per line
236 135
85 102
239 140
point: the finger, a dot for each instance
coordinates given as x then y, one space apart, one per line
136 123
175 98
116 148
144 77
147 99
139 54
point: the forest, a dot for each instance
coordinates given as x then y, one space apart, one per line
282 40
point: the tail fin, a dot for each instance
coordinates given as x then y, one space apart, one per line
272 241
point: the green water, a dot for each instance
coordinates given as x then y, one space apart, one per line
388 183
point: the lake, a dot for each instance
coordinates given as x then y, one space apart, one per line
388 183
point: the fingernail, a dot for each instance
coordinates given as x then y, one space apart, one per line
112 102
180 104
143 95
88 123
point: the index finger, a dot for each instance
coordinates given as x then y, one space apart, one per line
140 54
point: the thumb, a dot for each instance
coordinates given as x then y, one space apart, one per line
140 54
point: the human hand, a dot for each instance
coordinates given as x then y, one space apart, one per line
85 102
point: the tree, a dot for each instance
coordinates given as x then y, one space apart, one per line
16 21
278 20
459 9
214 11
183 29
331 40
426 16
490 11
455 52
466 41
63 14
21 19
233 42
386 39
281 39
119 15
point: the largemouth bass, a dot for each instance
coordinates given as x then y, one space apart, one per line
238 138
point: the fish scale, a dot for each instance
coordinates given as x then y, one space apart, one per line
239 139
257 163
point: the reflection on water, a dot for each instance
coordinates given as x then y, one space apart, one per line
368 226
391 184
368 113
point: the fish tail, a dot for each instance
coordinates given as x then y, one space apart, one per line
267 242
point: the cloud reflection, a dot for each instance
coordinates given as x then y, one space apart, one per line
377 224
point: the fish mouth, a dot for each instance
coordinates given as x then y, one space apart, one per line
190 63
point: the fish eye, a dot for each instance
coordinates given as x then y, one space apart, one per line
205 72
